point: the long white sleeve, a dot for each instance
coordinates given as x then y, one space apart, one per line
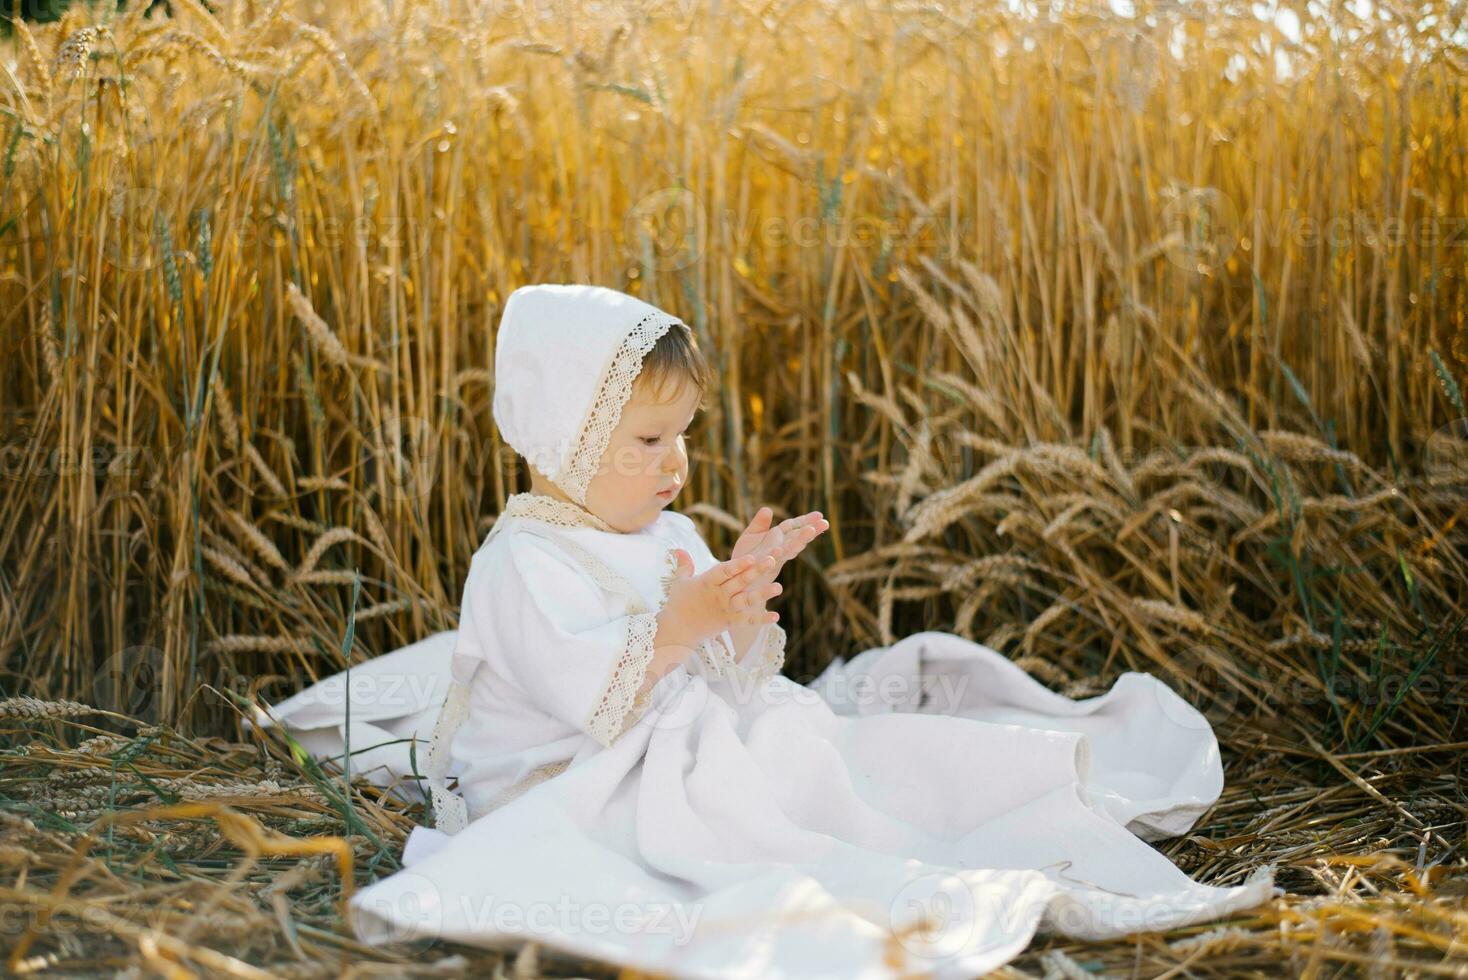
553 632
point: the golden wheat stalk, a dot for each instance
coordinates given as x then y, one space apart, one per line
38 708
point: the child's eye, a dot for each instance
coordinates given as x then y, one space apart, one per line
652 440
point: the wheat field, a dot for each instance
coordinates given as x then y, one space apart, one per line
1116 339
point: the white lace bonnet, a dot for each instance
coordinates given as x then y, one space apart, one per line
564 363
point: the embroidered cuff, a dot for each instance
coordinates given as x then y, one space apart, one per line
716 656
450 814
619 706
764 661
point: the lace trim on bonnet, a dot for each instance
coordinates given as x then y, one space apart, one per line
606 409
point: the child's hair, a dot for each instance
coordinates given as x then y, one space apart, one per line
674 360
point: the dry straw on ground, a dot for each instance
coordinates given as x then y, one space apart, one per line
1102 340
164 853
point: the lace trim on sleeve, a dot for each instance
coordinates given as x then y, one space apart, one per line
450 815
717 658
536 777
767 661
610 716
639 708
670 571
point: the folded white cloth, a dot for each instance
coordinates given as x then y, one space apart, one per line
799 831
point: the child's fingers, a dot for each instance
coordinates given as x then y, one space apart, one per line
818 526
754 599
741 580
807 526
797 542
730 569
792 524
808 534
757 616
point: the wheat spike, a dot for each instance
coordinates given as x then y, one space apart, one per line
75 51
1295 446
33 56
227 564
27 707
257 540
321 336
1160 609
237 643
335 535
263 469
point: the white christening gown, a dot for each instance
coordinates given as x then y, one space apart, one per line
924 808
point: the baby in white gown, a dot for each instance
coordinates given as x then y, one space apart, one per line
584 597
558 660
626 746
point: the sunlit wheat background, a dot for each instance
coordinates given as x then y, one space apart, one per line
1114 336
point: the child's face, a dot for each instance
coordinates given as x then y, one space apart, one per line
647 454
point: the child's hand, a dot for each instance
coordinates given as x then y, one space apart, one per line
732 593
782 542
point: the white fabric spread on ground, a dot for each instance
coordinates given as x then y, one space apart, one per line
924 807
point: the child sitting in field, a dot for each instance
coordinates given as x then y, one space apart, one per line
638 783
589 592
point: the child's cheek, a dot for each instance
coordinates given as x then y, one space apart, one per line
629 462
